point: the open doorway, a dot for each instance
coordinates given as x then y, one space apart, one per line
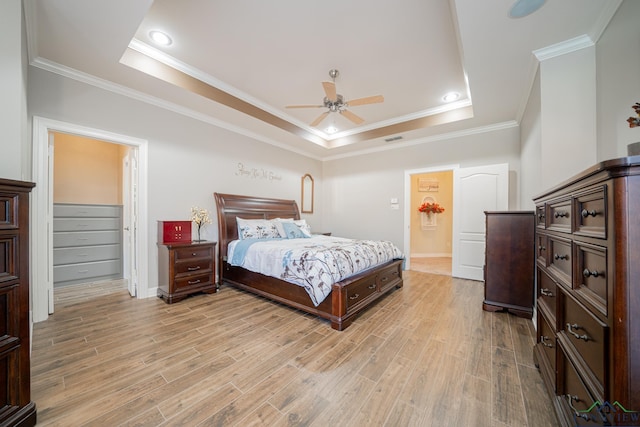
432 229
91 217
42 238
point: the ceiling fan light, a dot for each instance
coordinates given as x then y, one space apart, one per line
331 130
160 38
451 96
523 8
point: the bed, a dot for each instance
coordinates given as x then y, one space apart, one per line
348 297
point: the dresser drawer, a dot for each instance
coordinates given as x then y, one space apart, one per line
8 211
591 276
360 290
573 394
192 252
560 216
591 213
85 224
547 340
85 238
541 216
85 271
560 256
588 336
388 277
192 266
76 255
195 280
547 294
541 249
86 211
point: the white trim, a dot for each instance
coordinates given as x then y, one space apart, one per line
563 48
407 205
42 202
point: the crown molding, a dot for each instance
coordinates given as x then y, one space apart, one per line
563 48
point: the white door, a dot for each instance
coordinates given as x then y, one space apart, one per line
129 219
475 190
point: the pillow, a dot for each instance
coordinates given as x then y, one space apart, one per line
301 223
257 229
292 231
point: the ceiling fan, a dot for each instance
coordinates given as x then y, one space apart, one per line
335 103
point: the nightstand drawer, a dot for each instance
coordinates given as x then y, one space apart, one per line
196 265
192 252
193 281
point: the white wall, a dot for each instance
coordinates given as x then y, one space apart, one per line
568 106
358 189
12 91
530 147
618 81
188 160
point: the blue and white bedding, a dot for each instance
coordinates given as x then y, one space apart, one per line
314 263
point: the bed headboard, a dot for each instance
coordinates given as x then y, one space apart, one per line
230 206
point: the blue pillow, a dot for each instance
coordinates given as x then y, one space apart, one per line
293 231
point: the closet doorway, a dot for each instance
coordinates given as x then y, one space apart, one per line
127 158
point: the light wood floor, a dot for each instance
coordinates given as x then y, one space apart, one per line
424 355
433 265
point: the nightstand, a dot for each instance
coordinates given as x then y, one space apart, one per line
184 269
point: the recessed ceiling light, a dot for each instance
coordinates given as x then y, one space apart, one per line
160 38
523 8
451 96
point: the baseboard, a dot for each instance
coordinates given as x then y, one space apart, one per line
432 255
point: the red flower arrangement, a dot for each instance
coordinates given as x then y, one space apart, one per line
430 208
635 121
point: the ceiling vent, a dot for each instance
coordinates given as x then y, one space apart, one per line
393 138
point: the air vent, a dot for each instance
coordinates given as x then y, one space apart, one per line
393 138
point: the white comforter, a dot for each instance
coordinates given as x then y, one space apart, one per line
314 263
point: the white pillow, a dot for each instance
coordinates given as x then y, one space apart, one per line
301 223
257 229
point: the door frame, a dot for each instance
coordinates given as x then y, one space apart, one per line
408 208
41 241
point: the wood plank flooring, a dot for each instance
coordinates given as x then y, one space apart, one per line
424 355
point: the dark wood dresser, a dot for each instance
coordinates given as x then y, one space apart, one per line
509 262
184 269
16 407
588 294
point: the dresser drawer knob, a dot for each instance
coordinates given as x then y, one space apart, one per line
372 286
541 216
587 273
354 296
542 248
585 213
558 257
560 214
546 292
570 329
576 413
543 341
194 253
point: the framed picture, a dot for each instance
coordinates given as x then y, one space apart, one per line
427 184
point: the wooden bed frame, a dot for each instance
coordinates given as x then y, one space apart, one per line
347 298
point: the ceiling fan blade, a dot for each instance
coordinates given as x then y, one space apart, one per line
304 106
330 90
354 118
320 118
368 100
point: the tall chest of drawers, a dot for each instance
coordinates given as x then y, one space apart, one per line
16 406
588 294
